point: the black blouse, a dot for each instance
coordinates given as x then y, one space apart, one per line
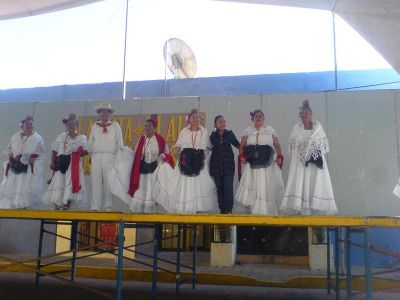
222 161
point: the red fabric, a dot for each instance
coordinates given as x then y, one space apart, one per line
281 163
8 168
75 159
161 145
31 164
104 126
170 160
135 171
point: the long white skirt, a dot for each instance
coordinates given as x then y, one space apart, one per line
59 191
183 194
308 190
22 190
119 178
120 174
261 189
143 200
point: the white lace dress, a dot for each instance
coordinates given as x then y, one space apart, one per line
25 189
186 194
261 189
59 191
308 189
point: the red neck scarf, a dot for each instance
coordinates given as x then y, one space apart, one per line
104 126
135 172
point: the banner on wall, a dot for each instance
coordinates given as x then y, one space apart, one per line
169 126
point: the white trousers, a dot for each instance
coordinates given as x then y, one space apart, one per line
101 165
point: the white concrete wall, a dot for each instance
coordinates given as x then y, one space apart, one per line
361 127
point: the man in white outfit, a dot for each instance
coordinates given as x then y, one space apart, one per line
104 141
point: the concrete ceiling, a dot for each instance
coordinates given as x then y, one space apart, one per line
11 9
377 21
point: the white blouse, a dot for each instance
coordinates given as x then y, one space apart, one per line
25 146
65 144
151 151
261 136
193 139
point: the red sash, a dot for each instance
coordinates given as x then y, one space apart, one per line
135 171
75 159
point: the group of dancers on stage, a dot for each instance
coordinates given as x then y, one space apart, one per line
148 179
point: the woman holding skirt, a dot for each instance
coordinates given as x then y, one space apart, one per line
188 188
131 173
22 184
261 185
309 189
67 185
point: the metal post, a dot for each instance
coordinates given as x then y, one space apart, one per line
368 280
348 262
125 47
194 257
121 239
178 262
38 262
74 240
337 263
328 260
155 260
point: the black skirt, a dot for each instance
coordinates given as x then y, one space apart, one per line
191 161
18 168
147 168
62 163
316 161
259 156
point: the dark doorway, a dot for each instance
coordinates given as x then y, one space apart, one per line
272 240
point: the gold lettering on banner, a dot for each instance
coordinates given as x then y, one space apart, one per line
159 125
171 131
128 132
169 126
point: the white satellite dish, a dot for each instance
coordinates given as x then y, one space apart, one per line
179 58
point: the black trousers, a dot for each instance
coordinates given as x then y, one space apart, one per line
224 185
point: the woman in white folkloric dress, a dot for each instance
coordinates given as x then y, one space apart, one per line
131 174
22 184
309 189
189 187
67 185
261 185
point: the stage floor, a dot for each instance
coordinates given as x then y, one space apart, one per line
229 219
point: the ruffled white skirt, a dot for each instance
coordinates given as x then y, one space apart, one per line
59 191
22 190
261 189
308 190
119 178
178 193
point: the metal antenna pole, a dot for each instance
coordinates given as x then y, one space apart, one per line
125 46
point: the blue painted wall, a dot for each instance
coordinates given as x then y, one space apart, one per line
213 86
